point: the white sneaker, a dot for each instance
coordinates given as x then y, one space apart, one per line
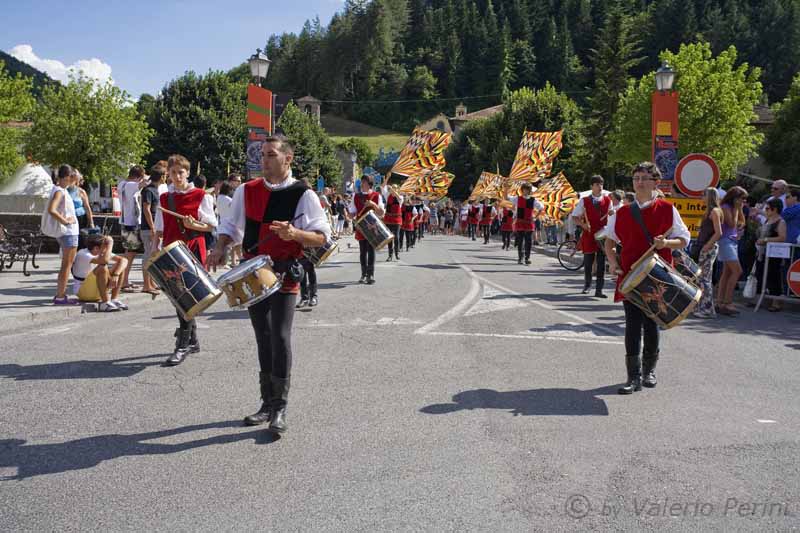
107 307
120 305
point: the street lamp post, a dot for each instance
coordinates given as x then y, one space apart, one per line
259 66
259 111
664 118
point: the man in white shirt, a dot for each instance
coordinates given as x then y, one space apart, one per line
98 271
277 216
129 221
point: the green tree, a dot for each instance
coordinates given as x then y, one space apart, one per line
16 104
421 83
203 118
783 138
364 154
716 109
314 151
92 127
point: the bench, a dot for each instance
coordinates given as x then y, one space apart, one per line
19 245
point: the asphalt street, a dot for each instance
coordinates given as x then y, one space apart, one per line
460 392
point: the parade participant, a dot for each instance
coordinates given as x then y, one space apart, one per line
648 221
277 216
487 214
409 213
424 219
507 226
198 208
365 200
592 214
463 217
472 219
308 285
449 218
526 209
433 224
393 218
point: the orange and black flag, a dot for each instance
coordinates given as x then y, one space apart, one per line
423 153
535 155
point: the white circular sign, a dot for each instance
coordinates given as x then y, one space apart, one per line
695 173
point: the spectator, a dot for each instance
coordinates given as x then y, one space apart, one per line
99 270
224 201
234 180
166 181
150 240
341 213
130 220
791 215
778 191
83 208
629 198
707 239
61 208
773 230
733 221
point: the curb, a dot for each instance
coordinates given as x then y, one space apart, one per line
48 314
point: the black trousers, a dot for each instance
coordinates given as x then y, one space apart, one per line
397 243
413 237
506 239
471 231
588 262
637 323
367 258
485 230
421 230
186 325
272 324
308 285
409 235
524 241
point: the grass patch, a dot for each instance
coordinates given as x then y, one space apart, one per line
376 138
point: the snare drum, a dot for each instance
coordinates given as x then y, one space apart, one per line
660 291
686 266
317 256
374 230
249 282
183 279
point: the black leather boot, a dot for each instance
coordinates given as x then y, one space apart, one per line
194 344
280 395
183 337
649 370
262 416
634 365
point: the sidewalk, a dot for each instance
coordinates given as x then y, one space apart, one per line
27 301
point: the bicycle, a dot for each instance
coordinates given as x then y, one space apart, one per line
569 256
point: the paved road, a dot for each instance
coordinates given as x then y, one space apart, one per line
461 392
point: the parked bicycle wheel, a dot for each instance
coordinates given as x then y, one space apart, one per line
569 256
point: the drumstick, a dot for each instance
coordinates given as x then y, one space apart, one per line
173 213
262 241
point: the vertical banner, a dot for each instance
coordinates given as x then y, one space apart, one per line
664 124
279 103
259 109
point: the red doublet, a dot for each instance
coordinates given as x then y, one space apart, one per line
657 219
524 220
408 214
188 204
598 217
508 220
263 206
473 215
360 201
486 219
392 215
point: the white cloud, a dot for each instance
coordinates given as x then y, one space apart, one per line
92 68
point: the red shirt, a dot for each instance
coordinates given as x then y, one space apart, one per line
187 203
525 209
360 201
598 218
392 215
508 220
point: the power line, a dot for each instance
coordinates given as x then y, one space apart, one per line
410 101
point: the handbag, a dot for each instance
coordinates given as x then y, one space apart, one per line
751 284
50 226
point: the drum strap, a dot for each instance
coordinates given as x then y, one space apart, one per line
637 216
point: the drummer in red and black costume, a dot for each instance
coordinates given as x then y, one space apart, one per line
185 199
365 200
669 232
594 209
472 219
277 216
486 216
506 226
393 218
409 213
526 207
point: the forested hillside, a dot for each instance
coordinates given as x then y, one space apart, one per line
432 53
14 66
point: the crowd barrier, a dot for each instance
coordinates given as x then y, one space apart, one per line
785 256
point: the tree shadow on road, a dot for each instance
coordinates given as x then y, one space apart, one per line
41 459
114 368
533 402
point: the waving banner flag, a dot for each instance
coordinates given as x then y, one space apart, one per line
558 198
534 160
424 152
488 187
514 187
429 186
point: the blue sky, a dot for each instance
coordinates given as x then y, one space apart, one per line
145 43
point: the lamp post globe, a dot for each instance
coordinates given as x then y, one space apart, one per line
665 77
259 65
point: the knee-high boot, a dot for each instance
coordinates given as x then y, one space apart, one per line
649 369
262 416
633 363
280 396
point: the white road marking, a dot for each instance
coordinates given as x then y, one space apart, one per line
360 322
492 301
765 421
457 309
593 340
